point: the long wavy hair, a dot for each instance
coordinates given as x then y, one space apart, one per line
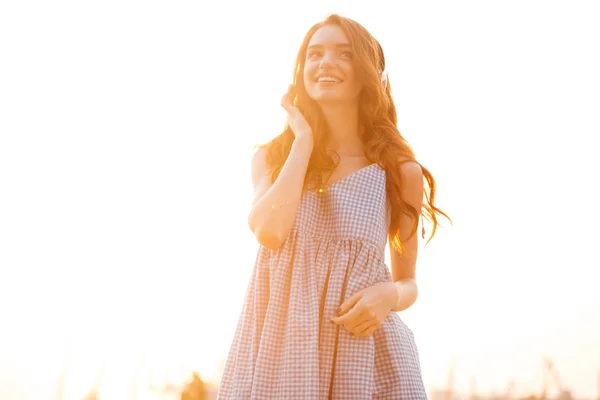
377 118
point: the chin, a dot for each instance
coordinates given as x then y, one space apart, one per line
329 97
333 96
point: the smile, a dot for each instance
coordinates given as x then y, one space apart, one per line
328 79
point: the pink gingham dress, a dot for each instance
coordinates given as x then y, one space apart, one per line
285 346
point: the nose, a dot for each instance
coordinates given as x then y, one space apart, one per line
326 60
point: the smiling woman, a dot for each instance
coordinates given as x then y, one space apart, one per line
329 47
329 191
125 130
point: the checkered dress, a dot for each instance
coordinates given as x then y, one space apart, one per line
285 346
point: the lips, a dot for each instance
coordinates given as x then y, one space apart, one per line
328 78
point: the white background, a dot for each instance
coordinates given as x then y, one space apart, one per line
126 131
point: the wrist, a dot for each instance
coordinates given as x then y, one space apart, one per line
305 140
403 295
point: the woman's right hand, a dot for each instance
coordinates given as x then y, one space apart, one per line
296 120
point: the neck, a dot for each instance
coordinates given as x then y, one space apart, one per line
342 119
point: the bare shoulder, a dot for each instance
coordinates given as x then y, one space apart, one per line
259 156
260 168
410 171
261 176
412 179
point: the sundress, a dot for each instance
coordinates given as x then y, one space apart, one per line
285 346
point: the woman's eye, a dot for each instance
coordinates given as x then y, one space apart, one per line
313 54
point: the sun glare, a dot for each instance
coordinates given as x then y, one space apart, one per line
130 129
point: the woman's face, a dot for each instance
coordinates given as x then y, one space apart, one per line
329 72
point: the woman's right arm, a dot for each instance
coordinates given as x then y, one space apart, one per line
274 208
275 205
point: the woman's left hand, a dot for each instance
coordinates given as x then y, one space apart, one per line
365 311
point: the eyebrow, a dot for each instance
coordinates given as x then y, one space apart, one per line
337 45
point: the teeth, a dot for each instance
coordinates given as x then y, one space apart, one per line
327 79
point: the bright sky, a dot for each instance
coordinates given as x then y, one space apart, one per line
126 133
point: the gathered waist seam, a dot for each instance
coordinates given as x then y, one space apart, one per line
339 239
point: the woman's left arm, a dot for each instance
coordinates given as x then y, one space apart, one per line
365 311
404 264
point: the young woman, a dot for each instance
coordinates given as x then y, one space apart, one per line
319 319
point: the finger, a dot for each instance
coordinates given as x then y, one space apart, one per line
359 328
363 317
354 318
368 331
349 316
292 93
286 101
348 304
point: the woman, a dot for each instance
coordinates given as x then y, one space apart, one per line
319 318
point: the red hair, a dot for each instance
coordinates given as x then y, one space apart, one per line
377 118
